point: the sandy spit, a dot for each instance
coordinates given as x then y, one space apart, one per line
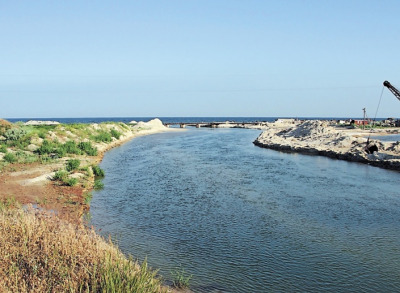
316 137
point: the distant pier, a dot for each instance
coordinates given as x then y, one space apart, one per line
215 124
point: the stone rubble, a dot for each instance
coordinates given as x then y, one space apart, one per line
317 137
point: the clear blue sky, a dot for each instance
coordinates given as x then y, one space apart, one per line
198 58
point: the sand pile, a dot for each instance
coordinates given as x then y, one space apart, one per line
155 124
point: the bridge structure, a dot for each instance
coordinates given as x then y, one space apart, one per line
225 124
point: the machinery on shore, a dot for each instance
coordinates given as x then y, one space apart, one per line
394 90
371 148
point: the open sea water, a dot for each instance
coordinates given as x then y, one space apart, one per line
240 218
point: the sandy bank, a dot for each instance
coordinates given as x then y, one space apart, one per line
319 138
32 183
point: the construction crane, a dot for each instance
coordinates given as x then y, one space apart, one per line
391 88
371 148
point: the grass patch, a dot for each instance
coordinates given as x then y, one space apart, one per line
97 171
60 175
3 148
115 133
40 253
71 181
87 147
72 165
10 158
24 157
46 148
103 136
88 197
181 278
98 184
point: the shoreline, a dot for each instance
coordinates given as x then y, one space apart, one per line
316 137
33 183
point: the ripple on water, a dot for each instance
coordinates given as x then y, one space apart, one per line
245 219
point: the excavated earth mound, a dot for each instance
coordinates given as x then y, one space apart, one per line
319 138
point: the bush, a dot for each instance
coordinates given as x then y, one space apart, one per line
10 158
71 181
14 134
115 133
23 157
103 136
97 171
87 147
98 184
3 148
72 164
71 147
60 175
47 147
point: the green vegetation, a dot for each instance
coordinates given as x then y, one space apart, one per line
3 148
97 171
40 253
72 165
115 133
88 197
26 157
98 184
60 175
88 148
15 134
103 136
181 279
10 158
63 177
71 181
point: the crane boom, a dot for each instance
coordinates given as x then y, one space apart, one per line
395 91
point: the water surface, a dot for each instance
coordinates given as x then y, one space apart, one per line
246 219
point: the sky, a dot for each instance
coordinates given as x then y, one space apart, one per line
182 58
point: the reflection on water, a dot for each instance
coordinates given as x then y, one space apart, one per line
245 219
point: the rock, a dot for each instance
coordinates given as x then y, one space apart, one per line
41 122
32 147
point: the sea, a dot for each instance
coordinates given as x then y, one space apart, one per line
234 217
167 119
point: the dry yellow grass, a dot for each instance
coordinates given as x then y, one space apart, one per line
41 253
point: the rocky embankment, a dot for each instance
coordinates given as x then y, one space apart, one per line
317 137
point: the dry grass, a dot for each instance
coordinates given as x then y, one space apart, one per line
40 253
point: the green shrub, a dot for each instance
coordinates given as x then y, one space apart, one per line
103 136
115 133
3 148
71 147
60 175
10 158
181 279
88 197
14 133
72 164
24 157
71 181
87 147
98 184
60 151
97 171
47 147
